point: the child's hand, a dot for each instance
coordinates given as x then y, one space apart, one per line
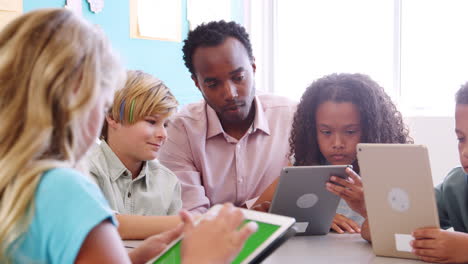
351 191
262 207
343 224
365 231
441 246
216 239
154 245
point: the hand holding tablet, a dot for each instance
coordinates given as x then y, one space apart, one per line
220 234
350 189
301 193
399 195
220 231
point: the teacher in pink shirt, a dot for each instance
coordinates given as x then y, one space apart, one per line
233 144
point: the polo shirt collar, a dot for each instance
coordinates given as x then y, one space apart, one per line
116 168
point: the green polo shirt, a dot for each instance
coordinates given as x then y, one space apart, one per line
452 201
155 191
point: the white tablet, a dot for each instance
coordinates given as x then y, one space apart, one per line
301 193
273 230
399 195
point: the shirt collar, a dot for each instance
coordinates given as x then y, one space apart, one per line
215 128
144 172
116 168
261 120
214 125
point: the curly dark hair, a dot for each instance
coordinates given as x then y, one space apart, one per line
213 34
381 122
461 97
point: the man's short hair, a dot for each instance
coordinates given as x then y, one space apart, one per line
213 34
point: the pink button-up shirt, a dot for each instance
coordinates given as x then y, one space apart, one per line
214 167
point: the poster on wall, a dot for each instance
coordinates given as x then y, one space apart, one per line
9 10
156 19
11 5
201 11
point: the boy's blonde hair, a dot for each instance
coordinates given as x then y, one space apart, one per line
143 95
53 67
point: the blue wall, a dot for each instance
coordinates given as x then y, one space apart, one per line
160 58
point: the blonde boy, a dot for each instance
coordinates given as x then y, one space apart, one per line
145 195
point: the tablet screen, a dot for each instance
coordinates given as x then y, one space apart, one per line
172 256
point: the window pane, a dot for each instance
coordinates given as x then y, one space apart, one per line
434 54
316 38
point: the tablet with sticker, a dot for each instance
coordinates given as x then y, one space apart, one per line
301 194
399 195
273 230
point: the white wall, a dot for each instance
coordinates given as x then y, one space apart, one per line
437 133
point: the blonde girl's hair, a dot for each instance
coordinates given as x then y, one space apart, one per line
53 67
143 95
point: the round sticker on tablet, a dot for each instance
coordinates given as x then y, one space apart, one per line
398 199
307 200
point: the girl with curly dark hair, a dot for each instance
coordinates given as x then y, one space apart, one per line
336 112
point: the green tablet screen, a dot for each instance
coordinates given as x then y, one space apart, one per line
172 256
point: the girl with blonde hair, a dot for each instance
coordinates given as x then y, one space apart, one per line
57 76
145 194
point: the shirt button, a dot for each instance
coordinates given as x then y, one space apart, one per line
239 180
129 195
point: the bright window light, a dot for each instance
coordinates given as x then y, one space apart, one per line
416 49
434 55
317 38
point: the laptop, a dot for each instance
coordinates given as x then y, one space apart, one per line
399 195
301 194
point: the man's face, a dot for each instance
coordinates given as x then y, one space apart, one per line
225 76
